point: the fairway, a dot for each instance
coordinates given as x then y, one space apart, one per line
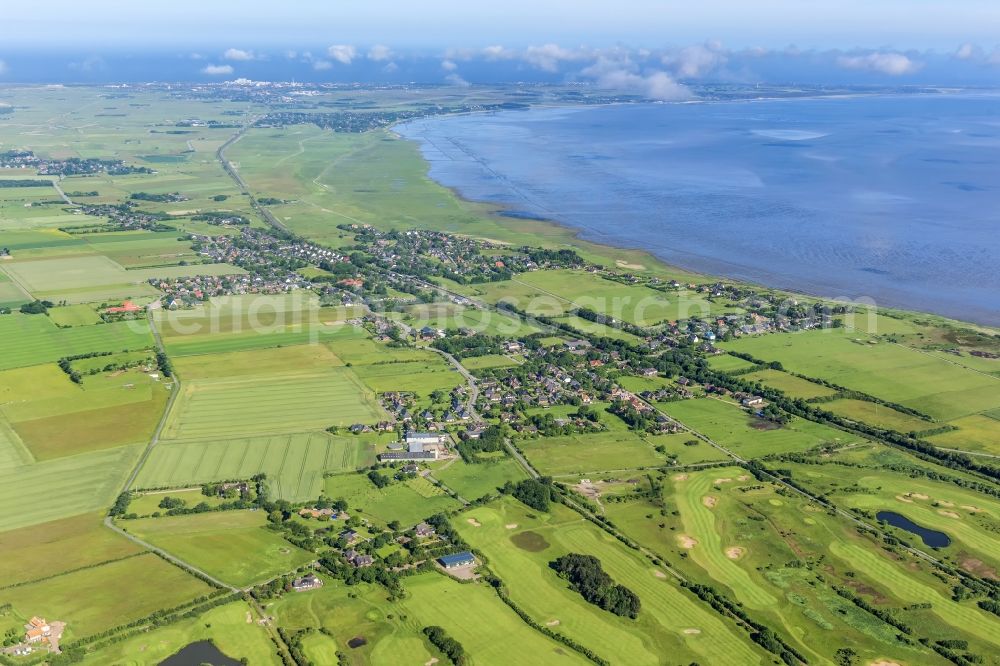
294 463
234 546
666 611
271 404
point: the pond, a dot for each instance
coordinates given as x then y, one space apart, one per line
931 538
197 654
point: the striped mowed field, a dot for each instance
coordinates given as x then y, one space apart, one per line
294 463
271 404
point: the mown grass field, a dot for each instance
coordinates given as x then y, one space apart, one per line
99 598
234 546
790 385
33 339
877 415
257 362
979 432
475 480
598 452
896 373
668 617
729 425
271 404
39 492
499 637
40 551
226 626
409 502
420 378
294 463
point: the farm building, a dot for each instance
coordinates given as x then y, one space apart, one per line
457 560
422 439
389 456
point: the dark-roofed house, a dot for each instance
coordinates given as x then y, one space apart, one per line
457 560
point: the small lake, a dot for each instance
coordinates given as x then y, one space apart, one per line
196 654
931 538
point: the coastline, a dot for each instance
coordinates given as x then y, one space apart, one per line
624 257
611 250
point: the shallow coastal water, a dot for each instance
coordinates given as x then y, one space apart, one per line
893 198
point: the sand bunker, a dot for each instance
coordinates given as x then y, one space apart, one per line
903 498
949 514
919 496
884 662
692 631
680 477
946 503
659 574
552 623
686 541
725 480
743 477
734 552
973 509
511 526
474 522
709 501
431 661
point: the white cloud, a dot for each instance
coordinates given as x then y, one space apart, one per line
291 55
696 61
892 64
239 55
390 68
968 51
217 70
548 56
91 64
3 67
497 52
379 53
342 53
321 65
448 65
456 80
620 75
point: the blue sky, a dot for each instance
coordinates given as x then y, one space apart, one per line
628 43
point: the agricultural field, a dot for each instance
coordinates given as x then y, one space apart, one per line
746 435
980 432
520 544
271 403
585 453
447 316
294 463
234 546
924 382
95 599
878 415
790 385
34 339
489 361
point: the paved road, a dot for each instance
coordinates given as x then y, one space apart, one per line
155 439
62 195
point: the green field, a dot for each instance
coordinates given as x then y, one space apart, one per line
927 383
226 626
975 433
234 546
877 415
271 404
790 385
99 598
729 425
294 463
668 617
32 339
409 502
474 481
580 454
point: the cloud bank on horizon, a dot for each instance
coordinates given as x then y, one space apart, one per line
664 73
